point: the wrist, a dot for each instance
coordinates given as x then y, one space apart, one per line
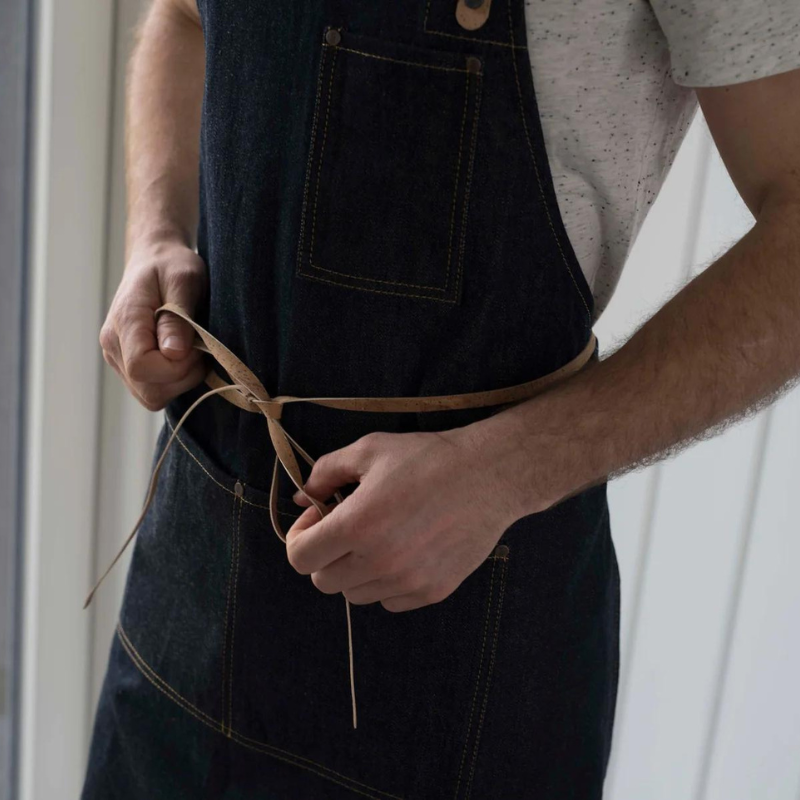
498 448
157 221
534 452
155 240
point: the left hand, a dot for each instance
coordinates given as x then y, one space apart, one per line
428 510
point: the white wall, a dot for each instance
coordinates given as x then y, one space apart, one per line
709 707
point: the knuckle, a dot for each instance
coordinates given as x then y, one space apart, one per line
411 582
125 315
106 337
435 594
152 399
320 465
383 565
432 594
295 559
373 439
137 370
182 274
321 582
392 605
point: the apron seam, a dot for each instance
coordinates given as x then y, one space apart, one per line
252 744
477 680
227 613
538 176
504 569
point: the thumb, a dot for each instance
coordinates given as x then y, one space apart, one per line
175 335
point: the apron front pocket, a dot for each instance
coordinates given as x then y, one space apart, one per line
423 678
176 618
392 146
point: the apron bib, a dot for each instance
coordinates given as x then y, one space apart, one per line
378 219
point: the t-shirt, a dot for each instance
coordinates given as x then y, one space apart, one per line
613 81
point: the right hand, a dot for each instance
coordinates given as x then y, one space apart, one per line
155 357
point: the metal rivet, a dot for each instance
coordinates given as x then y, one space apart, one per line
473 64
332 36
473 3
239 489
501 550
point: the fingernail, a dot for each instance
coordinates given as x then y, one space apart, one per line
172 343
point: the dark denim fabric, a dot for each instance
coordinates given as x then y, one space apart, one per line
378 218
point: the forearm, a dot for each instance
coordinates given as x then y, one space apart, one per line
164 100
726 342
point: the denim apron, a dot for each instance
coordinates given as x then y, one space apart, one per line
378 219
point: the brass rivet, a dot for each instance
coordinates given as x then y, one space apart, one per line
501 550
239 489
332 36
473 64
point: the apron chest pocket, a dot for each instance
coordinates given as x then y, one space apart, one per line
391 152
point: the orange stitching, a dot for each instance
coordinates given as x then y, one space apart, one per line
488 680
227 608
379 280
465 38
160 684
476 117
321 155
355 278
452 214
477 681
375 291
233 615
269 752
316 201
310 161
536 169
455 188
402 61
221 485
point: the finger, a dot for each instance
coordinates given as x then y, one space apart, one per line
313 543
125 380
332 471
156 395
142 360
373 591
175 335
183 287
358 579
109 342
406 602
418 599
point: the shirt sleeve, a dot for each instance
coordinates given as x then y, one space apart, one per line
719 42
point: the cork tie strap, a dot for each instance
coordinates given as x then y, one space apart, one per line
248 393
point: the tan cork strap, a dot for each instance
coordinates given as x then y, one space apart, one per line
248 393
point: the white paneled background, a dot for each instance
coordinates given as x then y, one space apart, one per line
709 550
708 542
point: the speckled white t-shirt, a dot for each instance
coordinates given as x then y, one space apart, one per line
613 81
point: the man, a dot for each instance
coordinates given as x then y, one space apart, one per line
387 208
